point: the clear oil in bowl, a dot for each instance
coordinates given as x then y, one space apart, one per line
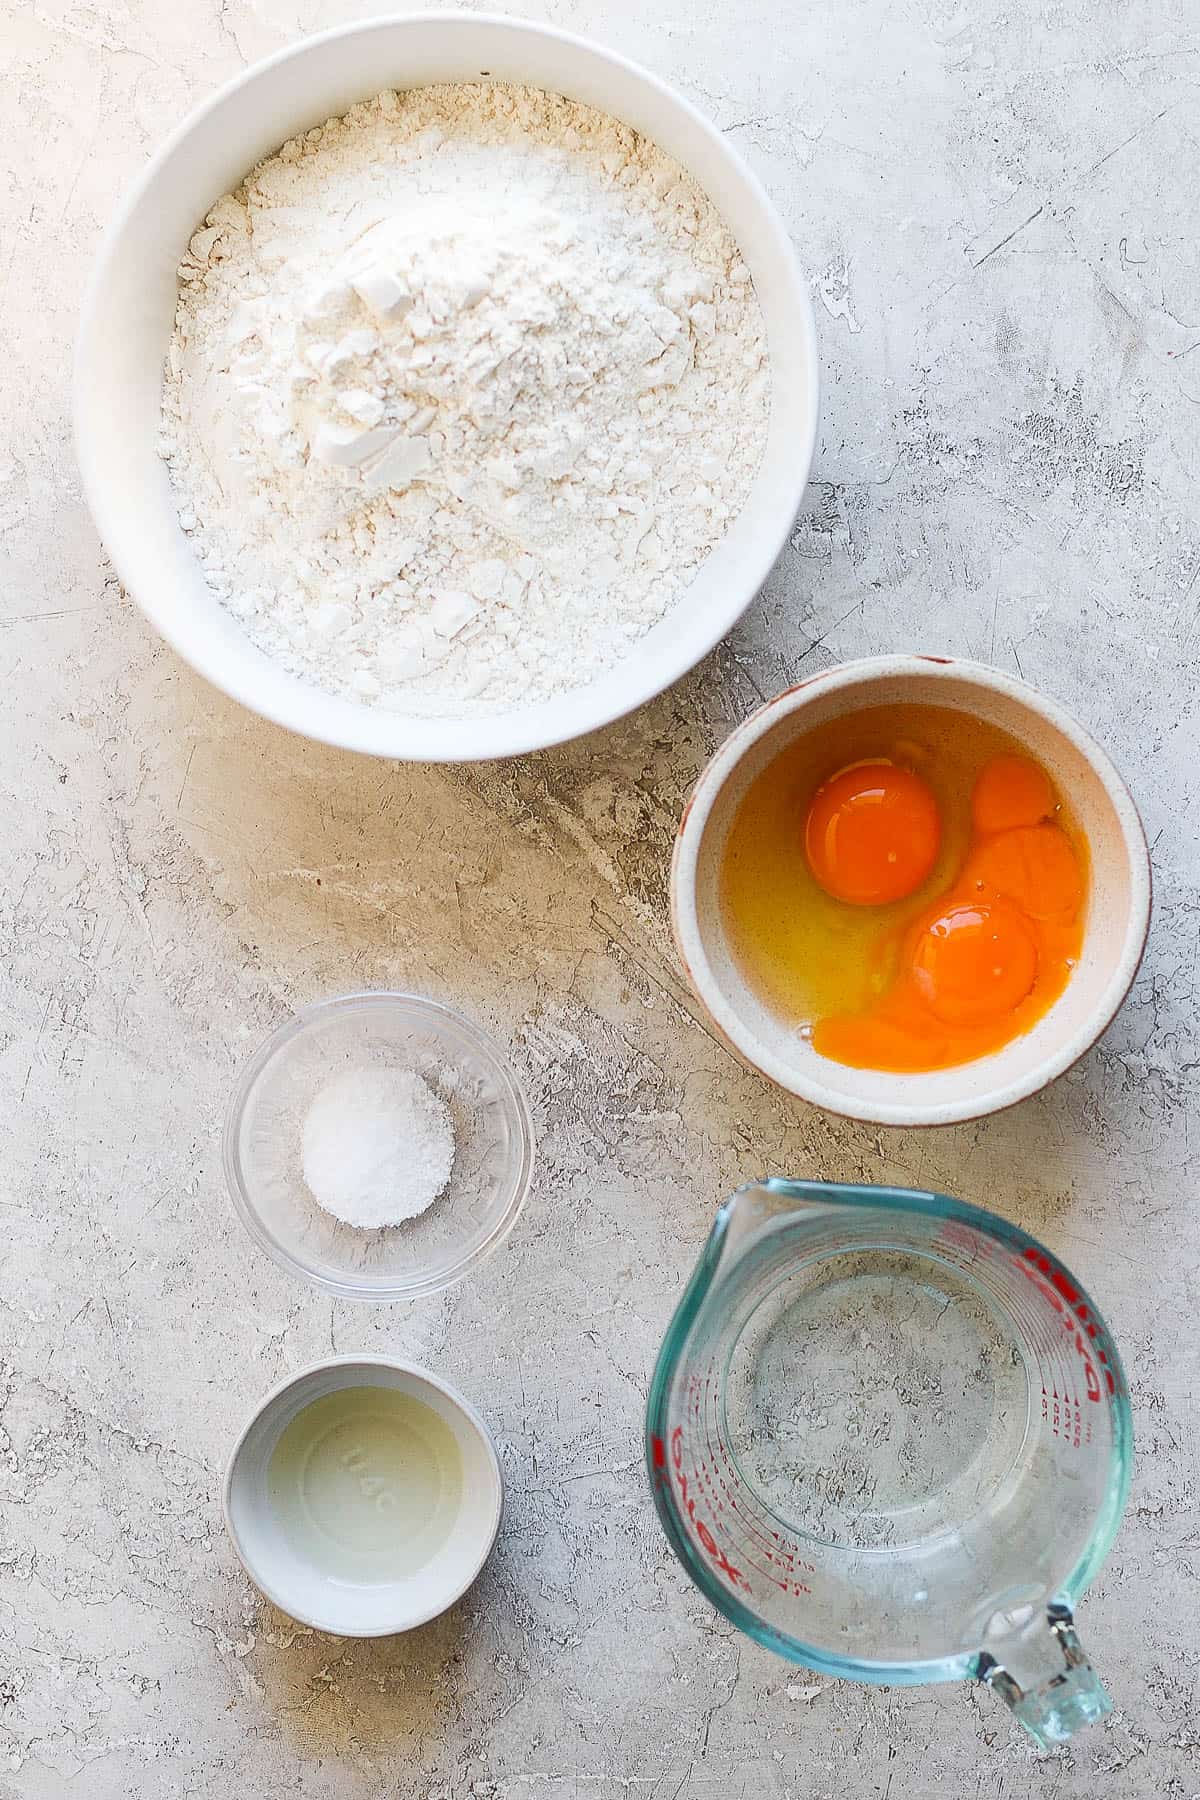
366 1484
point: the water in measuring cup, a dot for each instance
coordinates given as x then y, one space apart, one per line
366 1484
876 1401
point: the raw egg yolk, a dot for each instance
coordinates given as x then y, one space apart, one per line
1011 791
872 834
975 962
979 964
1035 866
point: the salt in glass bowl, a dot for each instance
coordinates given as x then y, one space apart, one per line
493 1157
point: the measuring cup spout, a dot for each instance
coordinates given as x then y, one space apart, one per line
745 1211
1041 1671
763 1203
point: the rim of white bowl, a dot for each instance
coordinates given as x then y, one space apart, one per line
420 1282
396 735
693 953
401 1366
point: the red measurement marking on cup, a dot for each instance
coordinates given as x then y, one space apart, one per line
692 1488
718 1470
968 1244
720 1495
1064 1415
711 1547
759 1537
712 1481
1060 1292
715 1481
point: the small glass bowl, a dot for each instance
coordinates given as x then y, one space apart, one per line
493 1157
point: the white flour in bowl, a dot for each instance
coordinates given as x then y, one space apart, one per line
463 389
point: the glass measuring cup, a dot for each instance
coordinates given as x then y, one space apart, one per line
889 1437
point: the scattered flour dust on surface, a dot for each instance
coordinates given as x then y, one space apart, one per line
464 387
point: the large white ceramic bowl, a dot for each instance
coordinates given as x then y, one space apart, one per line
129 311
1118 914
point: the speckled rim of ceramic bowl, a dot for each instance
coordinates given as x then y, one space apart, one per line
689 941
152 567
397 1365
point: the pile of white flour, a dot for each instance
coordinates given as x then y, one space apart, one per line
464 387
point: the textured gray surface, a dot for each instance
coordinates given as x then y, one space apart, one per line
997 206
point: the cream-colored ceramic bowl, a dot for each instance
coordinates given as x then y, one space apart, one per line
129 311
1118 909
292 1574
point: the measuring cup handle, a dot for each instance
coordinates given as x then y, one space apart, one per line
1055 1702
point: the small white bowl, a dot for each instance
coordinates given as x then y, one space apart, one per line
1118 911
361 1608
129 312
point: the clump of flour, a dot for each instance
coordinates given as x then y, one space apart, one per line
463 389
377 1146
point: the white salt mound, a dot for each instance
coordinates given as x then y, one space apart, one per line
377 1147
